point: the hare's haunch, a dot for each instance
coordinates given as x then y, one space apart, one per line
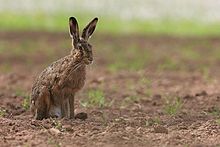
54 90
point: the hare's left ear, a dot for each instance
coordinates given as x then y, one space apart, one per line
89 29
74 30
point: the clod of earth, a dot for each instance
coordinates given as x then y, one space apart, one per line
203 93
54 131
160 129
82 116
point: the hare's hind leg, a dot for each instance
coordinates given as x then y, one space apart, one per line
41 113
43 106
71 103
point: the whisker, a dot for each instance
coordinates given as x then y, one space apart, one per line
78 67
75 68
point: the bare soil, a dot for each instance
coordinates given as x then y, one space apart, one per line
135 113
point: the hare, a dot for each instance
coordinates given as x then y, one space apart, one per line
54 90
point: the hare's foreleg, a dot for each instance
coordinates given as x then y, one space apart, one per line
65 109
71 104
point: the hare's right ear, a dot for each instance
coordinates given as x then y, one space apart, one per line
74 30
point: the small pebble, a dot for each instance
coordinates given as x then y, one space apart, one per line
54 131
67 127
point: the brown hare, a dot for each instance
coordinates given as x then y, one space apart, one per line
54 90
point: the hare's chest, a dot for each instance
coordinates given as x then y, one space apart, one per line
76 80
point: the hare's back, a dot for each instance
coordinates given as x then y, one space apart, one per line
50 75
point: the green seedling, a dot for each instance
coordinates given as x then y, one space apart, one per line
57 124
173 106
215 111
153 121
2 112
129 100
26 102
26 98
145 81
95 98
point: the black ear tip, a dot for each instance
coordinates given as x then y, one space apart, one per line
96 18
72 19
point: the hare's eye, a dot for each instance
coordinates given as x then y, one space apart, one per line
32 102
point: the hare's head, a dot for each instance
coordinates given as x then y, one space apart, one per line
81 47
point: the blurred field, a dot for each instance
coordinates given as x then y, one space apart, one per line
141 90
154 81
112 25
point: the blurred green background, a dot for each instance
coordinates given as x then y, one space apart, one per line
172 17
136 34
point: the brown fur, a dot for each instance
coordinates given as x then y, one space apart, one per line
54 90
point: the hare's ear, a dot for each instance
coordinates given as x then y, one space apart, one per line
89 29
74 29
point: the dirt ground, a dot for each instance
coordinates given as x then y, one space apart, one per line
150 100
